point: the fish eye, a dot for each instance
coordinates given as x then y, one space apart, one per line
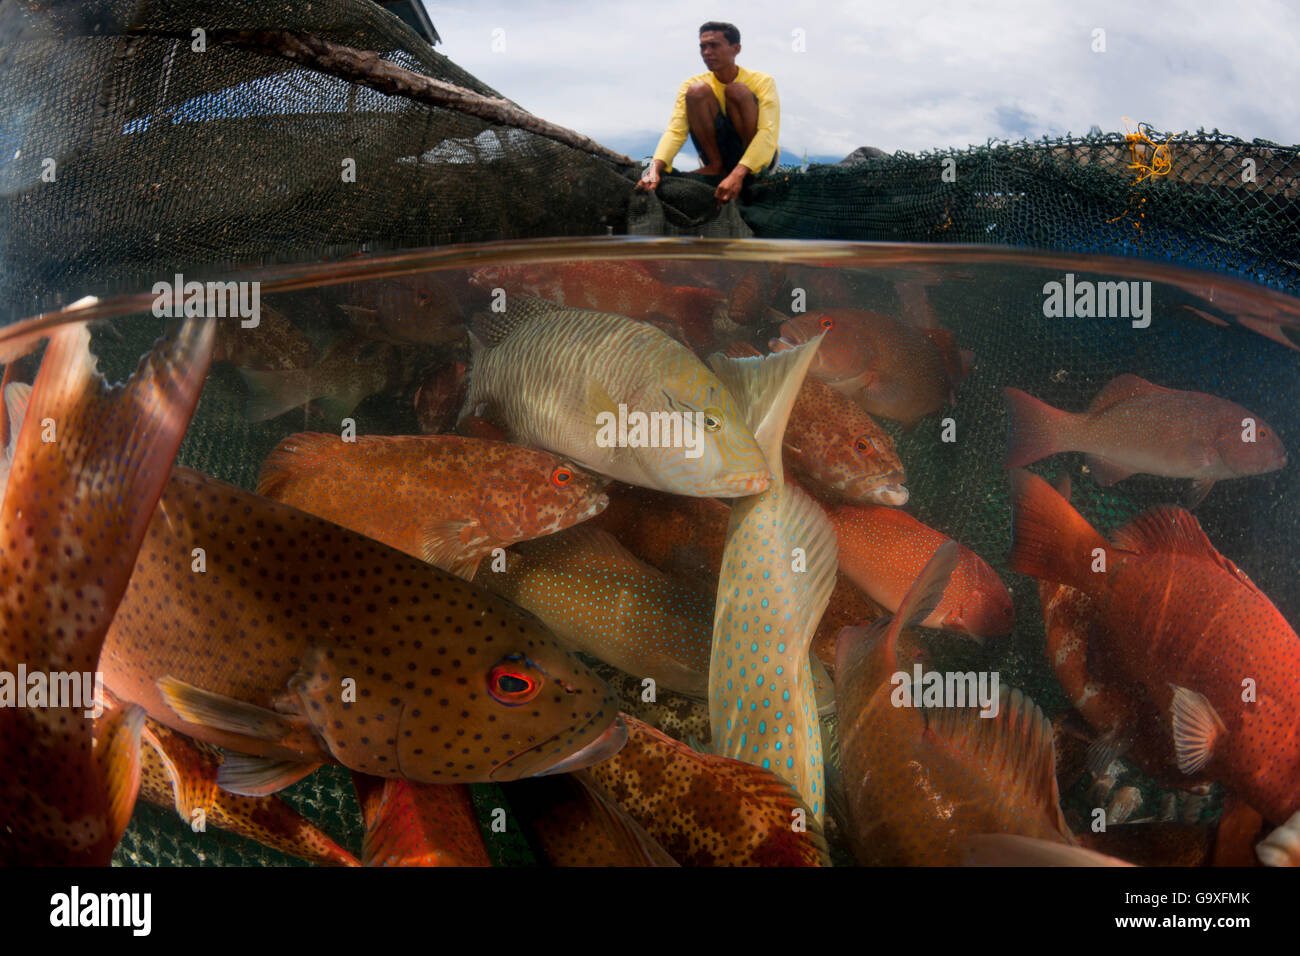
861 445
826 322
561 476
509 684
712 419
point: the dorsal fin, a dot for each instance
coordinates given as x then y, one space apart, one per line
1017 744
1120 389
1169 530
493 328
765 389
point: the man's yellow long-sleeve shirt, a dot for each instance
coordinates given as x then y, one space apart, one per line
760 150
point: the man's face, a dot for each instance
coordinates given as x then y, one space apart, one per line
716 51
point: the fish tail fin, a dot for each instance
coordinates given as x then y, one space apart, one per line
271 394
765 389
1049 539
1033 429
303 452
117 755
924 595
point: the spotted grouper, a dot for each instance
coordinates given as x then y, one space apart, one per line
181 774
442 498
617 396
778 572
600 599
707 810
291 641
89 464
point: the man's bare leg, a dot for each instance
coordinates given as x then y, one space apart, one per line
702 113
742 110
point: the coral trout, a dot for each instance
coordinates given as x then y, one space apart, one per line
89 465
441 498
292 641
1183 629
882 550
418 824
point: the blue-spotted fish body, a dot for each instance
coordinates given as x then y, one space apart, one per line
778 571
550 376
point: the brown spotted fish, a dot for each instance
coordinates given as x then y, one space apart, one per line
180 773
444 499
419 824
291 641
88 467
707 810
347 374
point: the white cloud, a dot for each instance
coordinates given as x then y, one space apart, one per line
909 76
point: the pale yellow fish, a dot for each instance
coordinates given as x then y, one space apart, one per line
592 385
778 571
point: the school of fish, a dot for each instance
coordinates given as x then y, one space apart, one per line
667 593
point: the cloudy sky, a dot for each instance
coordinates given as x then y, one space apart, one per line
915 75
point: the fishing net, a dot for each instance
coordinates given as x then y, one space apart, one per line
127 154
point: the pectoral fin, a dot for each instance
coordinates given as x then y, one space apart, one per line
1198 729
1196 494
195 705
455 546
1106 472
259 776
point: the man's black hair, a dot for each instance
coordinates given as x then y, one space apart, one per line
728 30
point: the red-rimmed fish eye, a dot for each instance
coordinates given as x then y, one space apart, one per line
864 445
561 476
510 684
826 322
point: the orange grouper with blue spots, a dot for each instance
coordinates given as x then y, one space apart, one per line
778 571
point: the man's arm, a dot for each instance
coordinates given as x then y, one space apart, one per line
762 148
678 129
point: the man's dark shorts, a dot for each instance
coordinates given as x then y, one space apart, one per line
730 144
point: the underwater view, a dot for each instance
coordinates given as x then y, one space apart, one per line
670 552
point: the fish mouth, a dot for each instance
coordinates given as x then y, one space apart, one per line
609 743
893 495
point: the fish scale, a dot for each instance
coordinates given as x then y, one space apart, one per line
762 704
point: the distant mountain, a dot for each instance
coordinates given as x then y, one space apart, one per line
641 145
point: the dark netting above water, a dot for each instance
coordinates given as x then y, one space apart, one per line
1070 194
164 158
1209 208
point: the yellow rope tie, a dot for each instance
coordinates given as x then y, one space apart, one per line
1145 165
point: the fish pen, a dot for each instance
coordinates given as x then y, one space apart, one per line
431 290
